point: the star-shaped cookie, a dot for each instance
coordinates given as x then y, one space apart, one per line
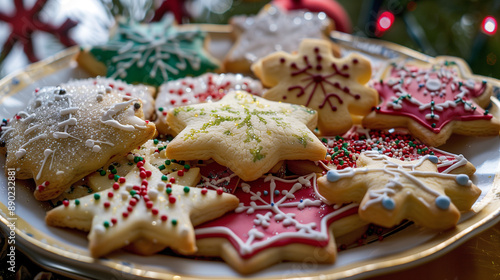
273 29
433 101
390 190
148 208
244 132
313 77
277 220
63 127
150 53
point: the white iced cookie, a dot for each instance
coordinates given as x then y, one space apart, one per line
66 133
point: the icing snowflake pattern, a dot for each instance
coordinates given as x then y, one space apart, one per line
276 211
431 96
418 183
158 50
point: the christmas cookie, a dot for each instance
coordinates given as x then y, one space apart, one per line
108 176
148 208
66 133
144 93
433 102
272 30
208 87
343 151
149 54
277 220
244 132
313 77
390 191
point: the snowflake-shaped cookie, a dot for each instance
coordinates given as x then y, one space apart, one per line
390 190
313 77
273 29
244 132
277 220
62 128
151 54
148 208
433 102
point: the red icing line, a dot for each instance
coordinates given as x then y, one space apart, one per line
319 80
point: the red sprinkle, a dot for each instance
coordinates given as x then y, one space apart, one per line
154 211
110 194
171 199
114 221
130 208
164 218
149 204
116 186
220 191
107 204
172 180
66 202
148 173
122 180
180 173
125 214
204 191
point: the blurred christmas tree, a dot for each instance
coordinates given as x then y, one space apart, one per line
462 28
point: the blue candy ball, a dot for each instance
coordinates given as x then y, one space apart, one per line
443 202
332 176
388 203
462 179
433 159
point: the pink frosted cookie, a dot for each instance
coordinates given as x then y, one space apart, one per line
433 101
144 93
208 87
276 220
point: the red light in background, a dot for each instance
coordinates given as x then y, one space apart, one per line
384 21
489 25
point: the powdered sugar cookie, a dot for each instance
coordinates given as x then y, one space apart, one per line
149 54
390 190
244 132
62 128
272 30
144 93
209 87
277 220
433 102
148 207
313 77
